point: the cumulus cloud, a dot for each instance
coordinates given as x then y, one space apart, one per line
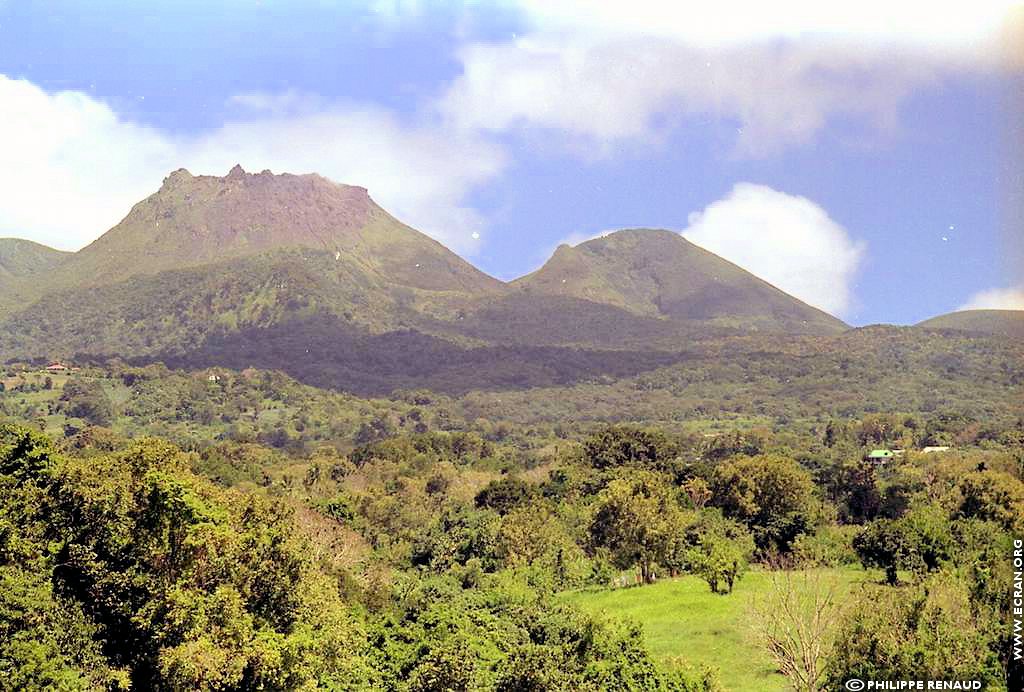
996 299
609 71
786 240
72 168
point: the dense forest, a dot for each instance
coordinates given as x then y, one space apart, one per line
236 529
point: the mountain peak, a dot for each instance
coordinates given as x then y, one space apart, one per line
658 273
175 178
198 218
194 220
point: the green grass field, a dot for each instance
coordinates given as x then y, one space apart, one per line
684 622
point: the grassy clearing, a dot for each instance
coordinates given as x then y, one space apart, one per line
684 623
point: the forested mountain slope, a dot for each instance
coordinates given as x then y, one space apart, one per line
308 276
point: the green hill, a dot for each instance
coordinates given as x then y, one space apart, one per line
994 322
660 274
23 258
295 272
20 262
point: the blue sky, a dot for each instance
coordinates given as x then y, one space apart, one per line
867 160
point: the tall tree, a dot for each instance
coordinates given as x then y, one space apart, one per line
771 494
638 520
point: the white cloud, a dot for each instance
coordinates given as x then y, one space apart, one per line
996 299
608 71
786 240
958 27
71 168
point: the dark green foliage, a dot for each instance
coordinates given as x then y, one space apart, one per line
772 495
184 586
47 642
459 448
993 496
505 494
629 446
458 536
159 576
854 488
502 638
87 400
739 442
636 404
437 485
919 541
930 631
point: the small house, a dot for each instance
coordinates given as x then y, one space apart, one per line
933 450
880 456
57 366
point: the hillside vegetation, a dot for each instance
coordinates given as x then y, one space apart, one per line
20 262
425 558
685 624
660 273
1006 323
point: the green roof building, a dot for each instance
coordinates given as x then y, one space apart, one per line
880 455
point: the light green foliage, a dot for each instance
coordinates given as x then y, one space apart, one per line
187 586
717 561
796 622
638 520
47 642
993 496
507 636
428 558
828 546
535 536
